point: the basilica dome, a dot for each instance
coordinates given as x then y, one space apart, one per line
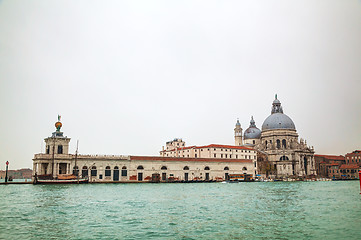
252 132
277 119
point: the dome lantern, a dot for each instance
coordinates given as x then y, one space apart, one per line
277 119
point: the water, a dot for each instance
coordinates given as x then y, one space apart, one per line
272 210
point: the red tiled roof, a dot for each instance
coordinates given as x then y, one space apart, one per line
349 166
182 159
354 153
212 146
331 157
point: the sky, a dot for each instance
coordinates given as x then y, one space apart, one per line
127 76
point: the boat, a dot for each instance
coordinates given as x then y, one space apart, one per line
67 180
242 177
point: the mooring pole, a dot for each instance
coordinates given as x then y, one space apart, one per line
6 173
359 177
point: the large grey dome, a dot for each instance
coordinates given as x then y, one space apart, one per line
252 132
277 119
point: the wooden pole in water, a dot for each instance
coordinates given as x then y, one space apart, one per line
359 177
6 173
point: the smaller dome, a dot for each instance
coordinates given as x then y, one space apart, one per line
252 132
238 124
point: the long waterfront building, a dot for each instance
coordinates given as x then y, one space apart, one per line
107 168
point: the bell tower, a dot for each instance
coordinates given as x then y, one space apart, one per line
238 134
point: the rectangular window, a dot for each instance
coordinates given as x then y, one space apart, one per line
107 172
195 155
230 156
221 155
124 172
60 149
100 176
225 155
215 155
236 156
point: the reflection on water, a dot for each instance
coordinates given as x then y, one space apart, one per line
273 210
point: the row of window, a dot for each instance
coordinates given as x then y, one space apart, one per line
215 156
278 143
226 150
59 148
343 171
353 160
140 167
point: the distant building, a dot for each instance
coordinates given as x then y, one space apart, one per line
24 173
354 157
340 167
324 163
177 148
344 172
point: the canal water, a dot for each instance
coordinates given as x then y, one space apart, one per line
269 210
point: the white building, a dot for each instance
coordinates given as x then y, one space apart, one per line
193 165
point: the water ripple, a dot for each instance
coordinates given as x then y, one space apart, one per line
279 210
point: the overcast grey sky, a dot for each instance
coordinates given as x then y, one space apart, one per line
127 76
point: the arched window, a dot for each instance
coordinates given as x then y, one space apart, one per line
226 168
108 172
254 141
124 171
206 168
266 144
140 167
93 171
284 143
116 167
186 168
84 171
163 168
278 144
244 169
284 158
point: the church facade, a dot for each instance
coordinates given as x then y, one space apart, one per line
280 152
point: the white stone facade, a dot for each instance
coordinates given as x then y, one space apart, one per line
102 168
109 168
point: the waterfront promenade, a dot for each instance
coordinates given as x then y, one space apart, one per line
269 210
